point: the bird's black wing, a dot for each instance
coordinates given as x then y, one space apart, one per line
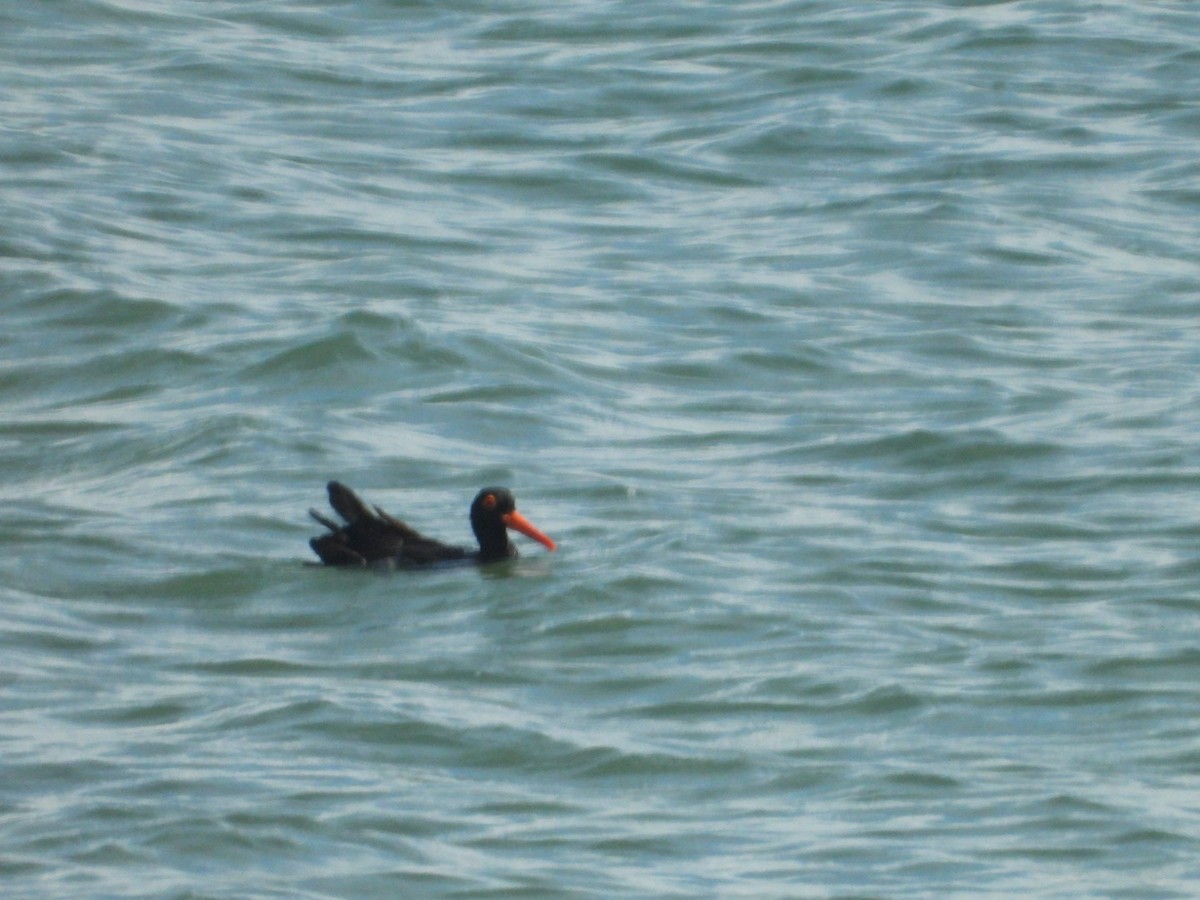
371 536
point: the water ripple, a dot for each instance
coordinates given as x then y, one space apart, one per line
848 354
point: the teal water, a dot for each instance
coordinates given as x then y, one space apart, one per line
849 352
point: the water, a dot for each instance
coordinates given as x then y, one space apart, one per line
849 352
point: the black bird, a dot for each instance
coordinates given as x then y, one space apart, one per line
371 537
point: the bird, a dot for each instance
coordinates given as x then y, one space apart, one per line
373 538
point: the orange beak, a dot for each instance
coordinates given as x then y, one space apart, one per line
518 522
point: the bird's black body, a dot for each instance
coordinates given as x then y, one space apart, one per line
371 537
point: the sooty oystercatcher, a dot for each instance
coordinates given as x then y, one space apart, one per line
371 537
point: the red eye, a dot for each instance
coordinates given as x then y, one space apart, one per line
489 502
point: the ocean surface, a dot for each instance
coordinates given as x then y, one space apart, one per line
850 352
